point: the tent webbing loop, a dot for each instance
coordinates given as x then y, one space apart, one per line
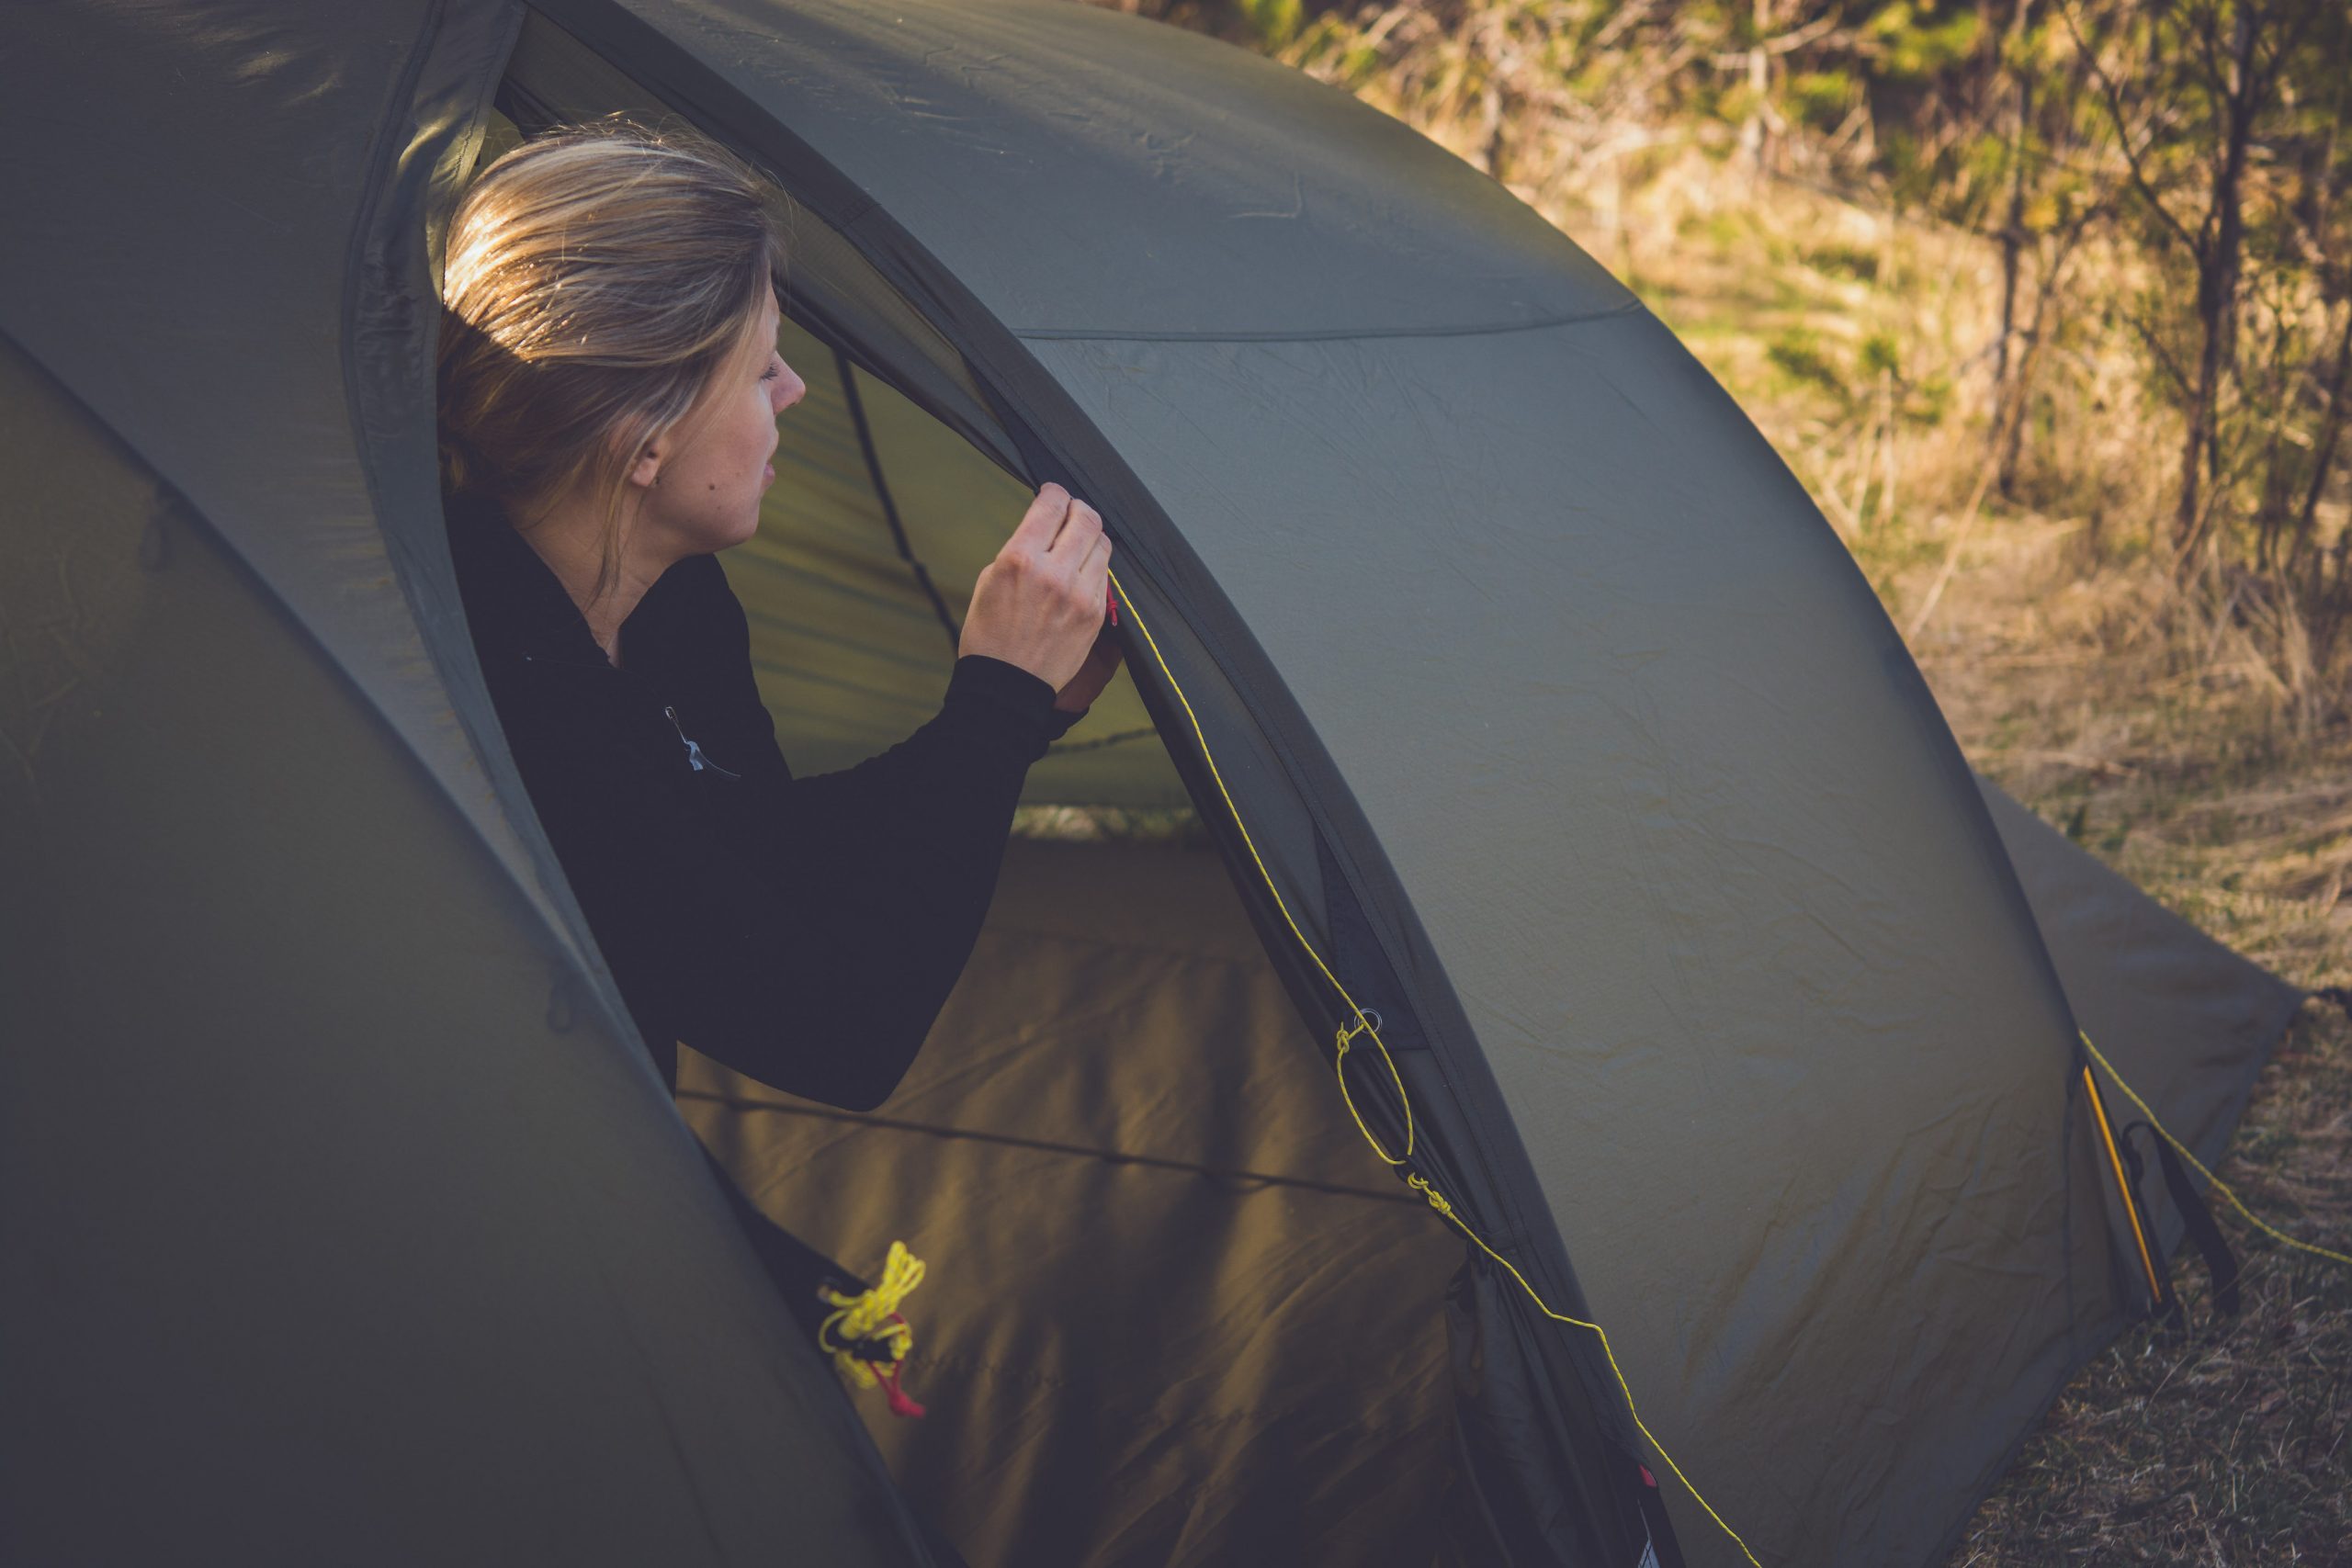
2257 1220
2221 1265
1364 1019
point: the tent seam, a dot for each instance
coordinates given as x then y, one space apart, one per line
1342 335
1236 1176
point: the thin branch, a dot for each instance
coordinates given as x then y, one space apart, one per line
2123 137
2209 44
2163 356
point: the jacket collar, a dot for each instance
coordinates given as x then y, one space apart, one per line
514 603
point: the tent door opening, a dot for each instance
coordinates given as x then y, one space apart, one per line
1175 1311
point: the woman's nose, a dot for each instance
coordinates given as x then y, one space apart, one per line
790 390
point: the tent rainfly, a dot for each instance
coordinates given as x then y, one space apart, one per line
1567 788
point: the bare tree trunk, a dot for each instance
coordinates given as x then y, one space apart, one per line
2012 413
2304 567
2221 241
2012 432
1490 149
2013 239
1757 133
2331 428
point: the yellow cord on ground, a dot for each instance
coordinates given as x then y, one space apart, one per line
866 1315
2257 1220
1364 1025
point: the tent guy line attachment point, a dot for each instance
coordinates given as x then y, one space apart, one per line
2257 1220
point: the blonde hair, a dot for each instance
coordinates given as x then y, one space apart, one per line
596 278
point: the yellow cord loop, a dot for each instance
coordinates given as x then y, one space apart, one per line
1437 1199
872 1317
2257 1220
1365 1024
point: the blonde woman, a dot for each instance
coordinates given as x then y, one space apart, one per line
609 389
609 386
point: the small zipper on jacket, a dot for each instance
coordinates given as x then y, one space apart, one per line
696 756
693 753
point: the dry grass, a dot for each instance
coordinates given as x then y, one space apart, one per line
2178 740
2170 751
2178 744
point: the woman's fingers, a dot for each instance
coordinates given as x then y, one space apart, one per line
1043 521
1081 555
1080 530
1056 526
1043 601
1094 583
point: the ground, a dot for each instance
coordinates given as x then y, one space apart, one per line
2226 1445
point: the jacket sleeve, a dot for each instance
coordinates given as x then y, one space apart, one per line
863 891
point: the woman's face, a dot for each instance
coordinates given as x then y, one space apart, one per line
707 497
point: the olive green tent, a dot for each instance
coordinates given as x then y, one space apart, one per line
1561 770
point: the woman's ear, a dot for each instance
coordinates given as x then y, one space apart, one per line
645 471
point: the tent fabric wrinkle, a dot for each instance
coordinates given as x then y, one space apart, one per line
1070 101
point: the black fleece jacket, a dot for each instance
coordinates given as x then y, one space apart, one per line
805 931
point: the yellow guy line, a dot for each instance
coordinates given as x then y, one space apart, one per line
2257 1220
1364 1026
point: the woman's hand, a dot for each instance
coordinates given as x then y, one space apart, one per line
1101 663
1039 604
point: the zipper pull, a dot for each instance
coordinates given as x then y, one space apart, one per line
693 753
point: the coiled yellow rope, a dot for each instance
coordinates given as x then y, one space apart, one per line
873 1316
1363 1024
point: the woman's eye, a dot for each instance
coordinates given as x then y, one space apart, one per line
776 368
